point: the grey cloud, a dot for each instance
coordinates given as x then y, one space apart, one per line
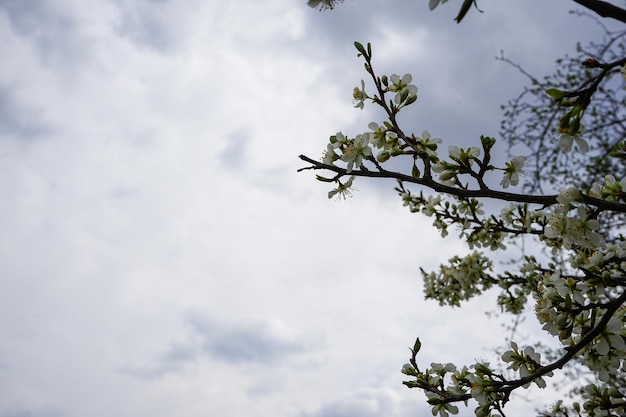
18 120
170 362
234 342
35 17
23 412
233 154
366 403
252 341
54 31
149 23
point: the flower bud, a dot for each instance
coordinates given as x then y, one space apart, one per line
383 156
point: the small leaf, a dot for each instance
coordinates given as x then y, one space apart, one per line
555 93
434 401
323 179
464 9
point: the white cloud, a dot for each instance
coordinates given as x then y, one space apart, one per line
163 181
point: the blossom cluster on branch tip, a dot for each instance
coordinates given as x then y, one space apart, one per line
526 361
405 91
611 190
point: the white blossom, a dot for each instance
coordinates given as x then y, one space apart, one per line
355 150
512 171
566 141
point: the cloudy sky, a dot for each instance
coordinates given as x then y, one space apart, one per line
160 255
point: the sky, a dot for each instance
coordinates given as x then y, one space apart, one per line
160 254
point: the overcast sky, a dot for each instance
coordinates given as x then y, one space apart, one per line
159 254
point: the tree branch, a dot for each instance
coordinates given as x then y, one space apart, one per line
613 306
544 200
604 9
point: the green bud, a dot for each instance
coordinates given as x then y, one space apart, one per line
410 100
359 47
417 346
564 120
383 156
487 142
415 172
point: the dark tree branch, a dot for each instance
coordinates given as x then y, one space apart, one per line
604 9
544 200
612 307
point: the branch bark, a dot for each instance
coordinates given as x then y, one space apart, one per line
604 9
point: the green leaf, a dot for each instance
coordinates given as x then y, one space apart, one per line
323 179
467 4
434 401
555 93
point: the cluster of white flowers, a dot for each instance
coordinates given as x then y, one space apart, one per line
611 190
571 298
526 361
405 91
353 151
579 229
462 279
